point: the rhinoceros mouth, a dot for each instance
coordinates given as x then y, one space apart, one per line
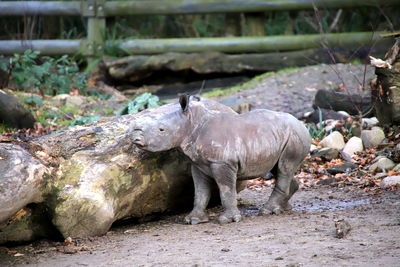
139 144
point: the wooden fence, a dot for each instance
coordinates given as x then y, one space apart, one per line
97 11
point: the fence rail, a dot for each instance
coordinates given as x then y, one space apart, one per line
121 8
97 10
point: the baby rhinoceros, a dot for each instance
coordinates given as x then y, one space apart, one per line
227 147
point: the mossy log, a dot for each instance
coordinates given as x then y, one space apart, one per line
135 68
386 89
83 179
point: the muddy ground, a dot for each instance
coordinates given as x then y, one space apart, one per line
304 236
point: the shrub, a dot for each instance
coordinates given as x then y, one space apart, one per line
46 75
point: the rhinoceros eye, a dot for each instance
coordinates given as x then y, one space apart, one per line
161 129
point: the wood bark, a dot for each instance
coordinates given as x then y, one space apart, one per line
136 68
386 89
118 8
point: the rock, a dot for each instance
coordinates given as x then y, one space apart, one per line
324 114
395 153
326 181
68 100
352 146
383 164
344 113
372 138
334 140
346 167
326 153
331 124
390 181
380 175
369 122
313 148
396 168
377 159
342 227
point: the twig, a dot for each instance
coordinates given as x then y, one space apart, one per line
336 20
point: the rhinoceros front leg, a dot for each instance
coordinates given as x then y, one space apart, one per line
225 177
202 194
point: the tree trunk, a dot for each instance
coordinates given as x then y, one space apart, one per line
85 178
386 90
13 113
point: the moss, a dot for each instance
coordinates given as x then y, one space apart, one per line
117 181
217 92
71 172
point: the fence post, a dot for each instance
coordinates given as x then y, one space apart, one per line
93 46
254 24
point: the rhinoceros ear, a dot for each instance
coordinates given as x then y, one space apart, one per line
184 101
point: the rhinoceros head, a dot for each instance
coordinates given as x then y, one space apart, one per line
161 133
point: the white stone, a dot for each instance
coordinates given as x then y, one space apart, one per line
75 101
335 140
383 164
313 148
344 113
390 181
396 168
353 145
372 138
369 122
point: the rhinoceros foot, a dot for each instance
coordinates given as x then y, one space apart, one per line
196 218
274 208
229 216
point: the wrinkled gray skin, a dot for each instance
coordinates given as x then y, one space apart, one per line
228 147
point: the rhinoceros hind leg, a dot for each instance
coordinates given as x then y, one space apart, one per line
273 207
285 186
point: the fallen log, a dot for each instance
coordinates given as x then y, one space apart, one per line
354 104
85 178
136 68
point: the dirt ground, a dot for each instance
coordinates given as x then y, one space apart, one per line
305 236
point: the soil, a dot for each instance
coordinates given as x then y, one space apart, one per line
305 236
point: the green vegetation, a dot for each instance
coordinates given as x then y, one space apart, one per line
45 75
317 131
217 92
143 101
4 128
